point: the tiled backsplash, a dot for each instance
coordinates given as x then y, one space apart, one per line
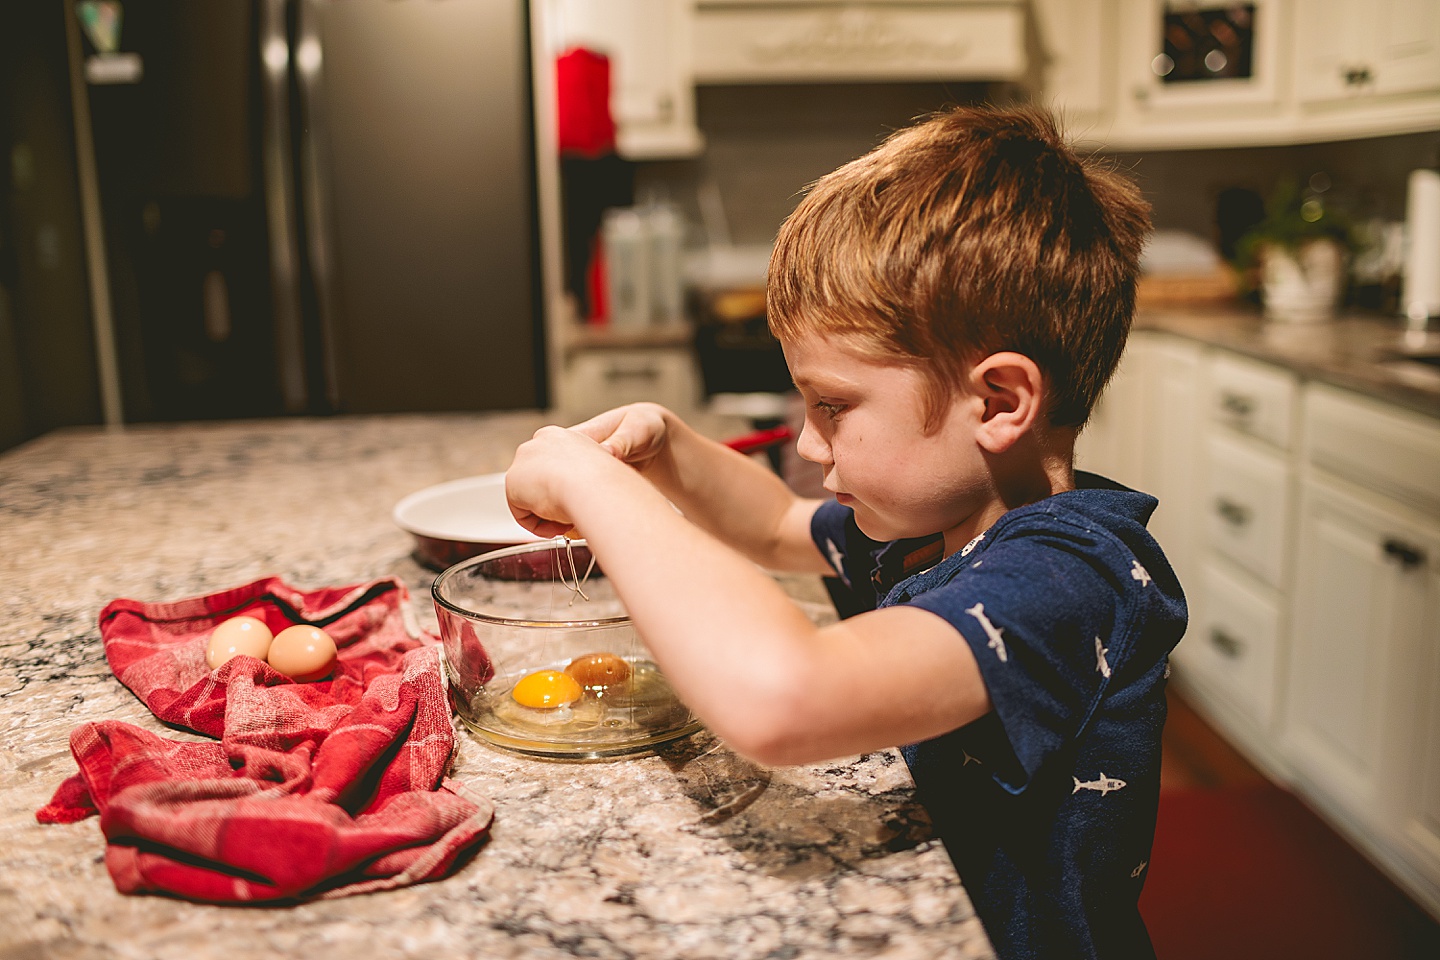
764 144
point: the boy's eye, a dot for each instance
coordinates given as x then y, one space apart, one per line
830 410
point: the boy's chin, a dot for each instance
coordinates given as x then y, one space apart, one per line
880 529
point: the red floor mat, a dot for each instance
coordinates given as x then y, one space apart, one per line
1249 871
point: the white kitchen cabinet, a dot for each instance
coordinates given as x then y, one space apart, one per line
1111 442
1151 112
1233 647
1241 509
814 41
1361 727
1323 70
1075 52
598 379
1170 457
1348 51
652 90
1312 518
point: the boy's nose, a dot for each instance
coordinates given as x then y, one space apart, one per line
811 445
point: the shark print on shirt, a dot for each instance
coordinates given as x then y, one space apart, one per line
1138 572
1101 785
837 560
996 635
1101 663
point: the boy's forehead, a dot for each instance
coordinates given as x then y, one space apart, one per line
829 359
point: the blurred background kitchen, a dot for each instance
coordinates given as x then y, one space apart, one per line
266 208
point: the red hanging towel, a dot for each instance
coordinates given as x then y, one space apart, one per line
313 789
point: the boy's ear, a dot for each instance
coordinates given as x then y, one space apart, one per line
1013 392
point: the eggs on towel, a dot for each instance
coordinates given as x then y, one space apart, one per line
237 636
302 652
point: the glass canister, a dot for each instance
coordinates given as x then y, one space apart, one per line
541 657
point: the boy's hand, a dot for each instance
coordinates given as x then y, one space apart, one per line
544 467
634 434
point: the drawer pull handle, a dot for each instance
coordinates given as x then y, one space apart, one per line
1232 512
616 374
1225 643
1407 556
1237 404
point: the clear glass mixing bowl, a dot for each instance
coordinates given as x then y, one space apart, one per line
544 613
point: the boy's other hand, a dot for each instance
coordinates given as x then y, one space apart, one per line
544 468
633 434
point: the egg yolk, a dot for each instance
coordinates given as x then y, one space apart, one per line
546 689
595 671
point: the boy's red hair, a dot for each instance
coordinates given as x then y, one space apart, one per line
975 231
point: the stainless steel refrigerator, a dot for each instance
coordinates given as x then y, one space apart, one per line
317 206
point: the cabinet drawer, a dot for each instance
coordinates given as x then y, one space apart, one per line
1253 398
1391 451
1232 645
602 379
1246 506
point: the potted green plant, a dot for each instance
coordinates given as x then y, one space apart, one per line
1301 252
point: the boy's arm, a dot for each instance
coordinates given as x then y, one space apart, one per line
735 647
725 493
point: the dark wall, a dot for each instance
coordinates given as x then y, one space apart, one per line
47 349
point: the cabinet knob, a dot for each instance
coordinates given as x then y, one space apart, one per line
1231 512
1403 553
1356 76
1237 404
1225 643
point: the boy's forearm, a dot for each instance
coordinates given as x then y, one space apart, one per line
736 499
720 628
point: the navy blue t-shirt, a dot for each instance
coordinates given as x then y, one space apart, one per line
1047 803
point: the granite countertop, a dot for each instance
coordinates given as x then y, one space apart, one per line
1360 352
691 852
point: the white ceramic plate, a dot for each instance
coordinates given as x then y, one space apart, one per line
460 518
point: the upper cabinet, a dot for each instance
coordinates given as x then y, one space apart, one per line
1358 64
811 41
1211 73
652 90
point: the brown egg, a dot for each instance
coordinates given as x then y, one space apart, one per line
236 636
596 671
303 653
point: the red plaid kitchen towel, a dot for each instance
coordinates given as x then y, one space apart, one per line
314 789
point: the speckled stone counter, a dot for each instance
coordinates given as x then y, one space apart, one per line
693 852
1364 353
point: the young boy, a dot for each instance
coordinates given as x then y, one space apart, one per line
950 306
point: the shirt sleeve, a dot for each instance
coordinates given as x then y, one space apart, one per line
1046 614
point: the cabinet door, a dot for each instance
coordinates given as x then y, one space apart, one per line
1200 109
1419 753
1364 599
1076 37
1347 49
1111 442
1171 452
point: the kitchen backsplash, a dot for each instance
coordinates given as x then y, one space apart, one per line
765 143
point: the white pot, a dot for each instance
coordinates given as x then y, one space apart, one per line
1304 285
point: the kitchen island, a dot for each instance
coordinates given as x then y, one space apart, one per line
691 852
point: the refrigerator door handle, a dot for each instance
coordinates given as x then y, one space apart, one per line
315 187
280 204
